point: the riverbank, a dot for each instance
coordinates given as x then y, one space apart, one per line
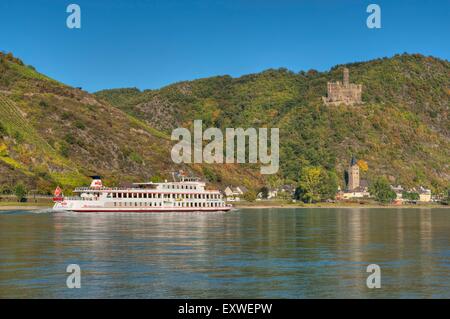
23 206
255 205
281 204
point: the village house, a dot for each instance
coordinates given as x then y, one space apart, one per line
424 194
398 191
272 193
233 194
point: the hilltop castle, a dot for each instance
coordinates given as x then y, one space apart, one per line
343 93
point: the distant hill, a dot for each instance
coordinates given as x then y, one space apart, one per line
51 133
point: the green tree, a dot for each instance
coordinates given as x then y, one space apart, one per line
329 185
446 199
316 184
5 189
382 191
310 184
20 192
2 131
264 192
412 196
310 181
156 179
64 150
211 175
250 196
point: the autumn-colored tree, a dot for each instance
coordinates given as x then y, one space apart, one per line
316 184
363 166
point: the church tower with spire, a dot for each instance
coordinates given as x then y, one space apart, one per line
353 175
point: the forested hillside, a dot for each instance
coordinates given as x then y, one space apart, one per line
51 133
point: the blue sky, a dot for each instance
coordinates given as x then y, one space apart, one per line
149 44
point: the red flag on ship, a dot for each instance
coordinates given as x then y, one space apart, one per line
57 191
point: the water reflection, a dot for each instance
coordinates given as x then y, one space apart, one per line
273 253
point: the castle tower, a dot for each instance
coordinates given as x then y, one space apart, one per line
353 175
346 77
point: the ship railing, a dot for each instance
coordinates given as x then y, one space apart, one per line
80 198
93 189
73 198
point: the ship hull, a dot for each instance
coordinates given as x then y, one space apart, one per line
145 210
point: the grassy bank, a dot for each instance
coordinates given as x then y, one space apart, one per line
9 204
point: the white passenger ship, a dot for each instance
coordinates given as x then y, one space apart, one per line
186 195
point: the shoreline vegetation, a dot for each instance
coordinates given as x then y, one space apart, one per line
4 206
336 205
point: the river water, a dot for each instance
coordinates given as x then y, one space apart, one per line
249 253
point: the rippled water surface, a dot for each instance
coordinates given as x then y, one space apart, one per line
250 253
